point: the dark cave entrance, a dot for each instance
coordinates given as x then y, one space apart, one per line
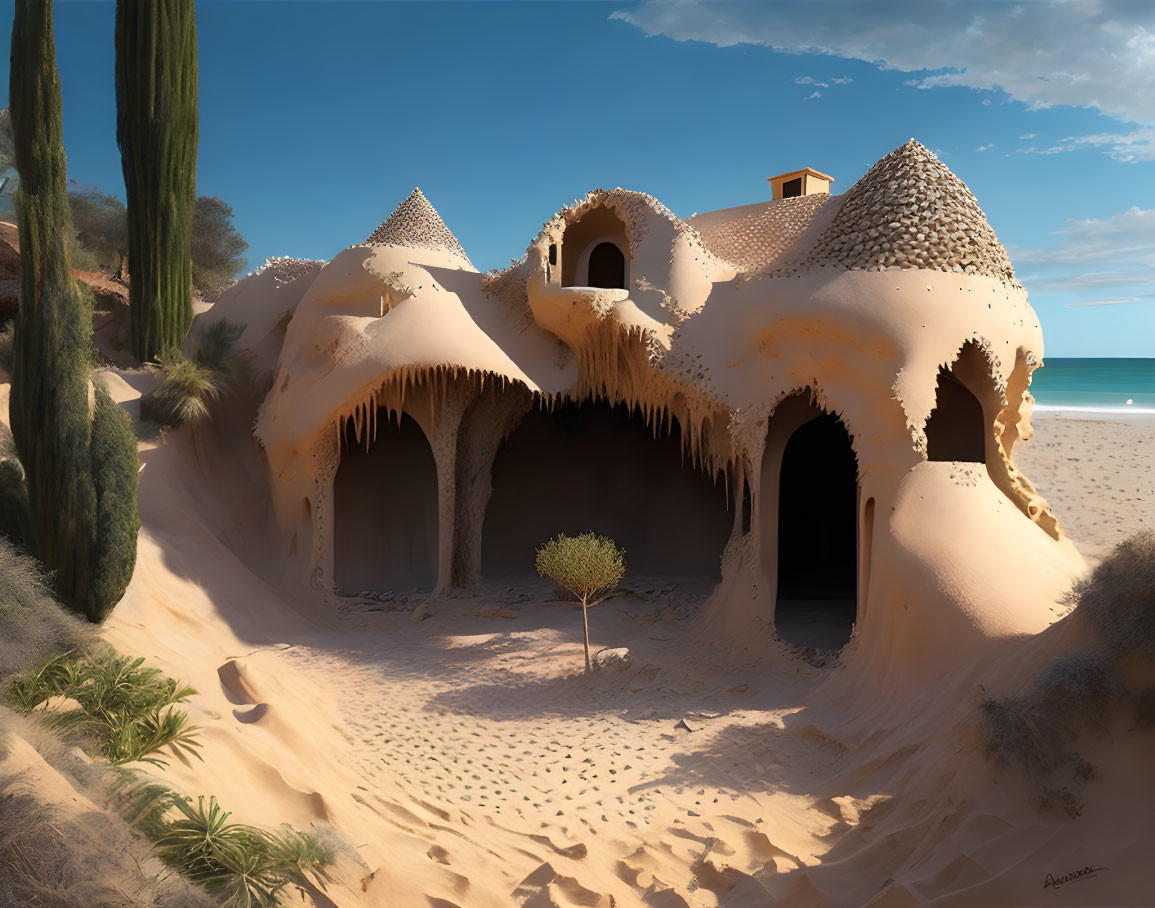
385 506
816 605
956 428
597 467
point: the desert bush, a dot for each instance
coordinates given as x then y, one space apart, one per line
184 395
123 710
238 864
33 626
1076 690
588 566
192 382
1119 596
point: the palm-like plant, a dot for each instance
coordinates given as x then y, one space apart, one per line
126 710
244 866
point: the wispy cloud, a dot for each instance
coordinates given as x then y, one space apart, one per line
1096 254
842 80
1098 54
813 96
803 80
1029 135
986 147
1129 148
1134 299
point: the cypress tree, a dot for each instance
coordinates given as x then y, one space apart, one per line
157 131
53 401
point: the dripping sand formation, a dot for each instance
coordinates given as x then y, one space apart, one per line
799 417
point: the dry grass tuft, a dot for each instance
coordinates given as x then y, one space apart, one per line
33 627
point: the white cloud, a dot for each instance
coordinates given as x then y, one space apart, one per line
1129 148
1029 135
1098 54
986 102
803 80
1118 251
813 96
842 80
986 147
821 85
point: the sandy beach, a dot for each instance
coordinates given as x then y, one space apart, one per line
1095 472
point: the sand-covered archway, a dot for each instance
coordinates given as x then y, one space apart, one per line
385 503
596 248
593 466
809 524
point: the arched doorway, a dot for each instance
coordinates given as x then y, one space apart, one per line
385 505
956 427
817 536
607 266
597 467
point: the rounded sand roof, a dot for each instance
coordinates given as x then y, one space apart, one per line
910 211
416 223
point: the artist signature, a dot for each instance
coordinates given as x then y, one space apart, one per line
1083 873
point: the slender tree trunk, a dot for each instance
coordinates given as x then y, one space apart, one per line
157 131
586 622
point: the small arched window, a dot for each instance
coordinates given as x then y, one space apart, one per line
607 266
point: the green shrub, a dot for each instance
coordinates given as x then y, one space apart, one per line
587 565
184 395
115 471
123 710
240 865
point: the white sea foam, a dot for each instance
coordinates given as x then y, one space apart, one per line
1125 411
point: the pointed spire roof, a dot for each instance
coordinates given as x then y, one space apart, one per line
910 211
416 223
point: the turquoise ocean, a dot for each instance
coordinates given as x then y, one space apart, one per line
1095 385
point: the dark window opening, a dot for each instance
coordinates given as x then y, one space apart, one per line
817 536
553 253
792 188
607 266
385 503
956 428
593 467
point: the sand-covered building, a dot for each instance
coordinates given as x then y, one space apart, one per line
802 404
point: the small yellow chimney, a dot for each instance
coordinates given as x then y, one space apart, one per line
806 181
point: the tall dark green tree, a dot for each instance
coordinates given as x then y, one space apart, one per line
157 130
77 453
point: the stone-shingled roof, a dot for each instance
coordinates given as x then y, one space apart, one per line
415 223
909 211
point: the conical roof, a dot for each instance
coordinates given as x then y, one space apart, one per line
416 223
910 211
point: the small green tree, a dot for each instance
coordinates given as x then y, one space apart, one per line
588 565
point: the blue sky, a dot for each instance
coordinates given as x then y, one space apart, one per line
318 118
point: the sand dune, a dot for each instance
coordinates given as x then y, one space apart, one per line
467 761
